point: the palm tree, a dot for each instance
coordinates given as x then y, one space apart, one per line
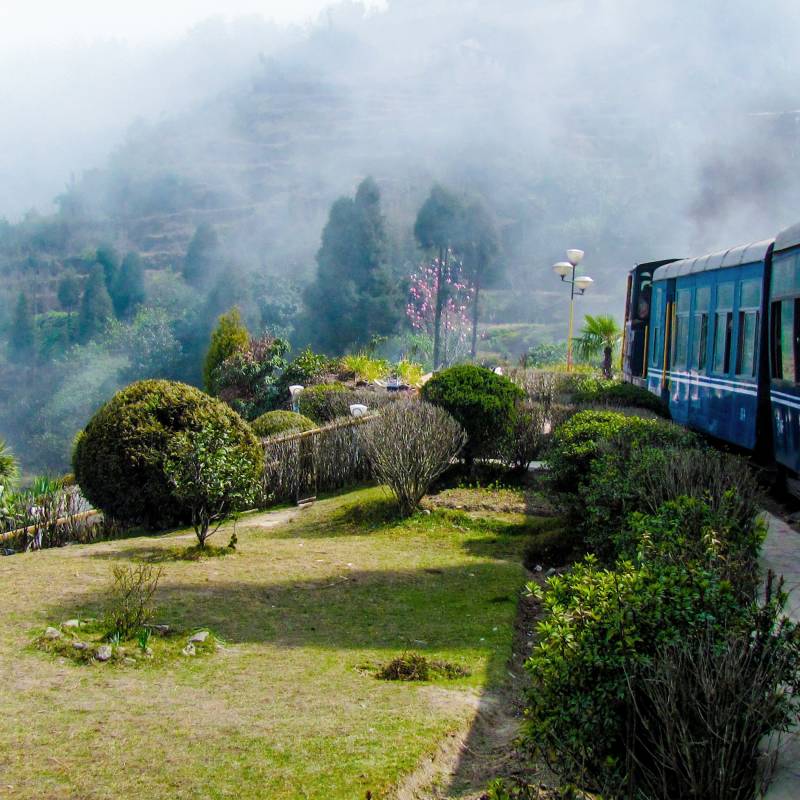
8 466
599 334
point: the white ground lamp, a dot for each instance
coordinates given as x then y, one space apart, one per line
566 271
358 410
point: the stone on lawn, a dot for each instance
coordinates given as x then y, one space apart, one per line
189 650
199 637
71 623
161 630
80 645
52 633
103 653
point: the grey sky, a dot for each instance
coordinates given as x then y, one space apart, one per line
26 23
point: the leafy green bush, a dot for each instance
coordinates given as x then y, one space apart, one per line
325 402
690 531
601 627
275 422
586 436
599 391
307 368
485 404
366 368
212 476
229 337
119 458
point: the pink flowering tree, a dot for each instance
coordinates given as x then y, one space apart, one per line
457 297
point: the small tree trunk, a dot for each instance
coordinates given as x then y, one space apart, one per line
474 348
607 362
437 320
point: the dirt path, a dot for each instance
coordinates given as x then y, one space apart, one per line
265 519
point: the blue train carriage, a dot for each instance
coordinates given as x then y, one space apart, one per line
784 330
636 330
705 356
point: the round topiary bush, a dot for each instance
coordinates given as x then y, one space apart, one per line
325 402
119 459
484 403
275 422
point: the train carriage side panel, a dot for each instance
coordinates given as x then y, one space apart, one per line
712 327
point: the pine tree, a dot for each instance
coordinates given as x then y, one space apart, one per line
96 307
479 246
128 291
202 256
354 297
107 257
22 338
229 337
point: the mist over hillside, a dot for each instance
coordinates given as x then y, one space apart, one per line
634 131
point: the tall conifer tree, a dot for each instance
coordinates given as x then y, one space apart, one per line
22 338
96 307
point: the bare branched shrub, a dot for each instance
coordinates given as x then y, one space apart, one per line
704 707
528 436
409 445
130 602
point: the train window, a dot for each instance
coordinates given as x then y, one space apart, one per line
784 339
785 275
680 335
700 341
723 327
747 344
750 294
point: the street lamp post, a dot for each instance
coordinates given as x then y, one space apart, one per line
579 285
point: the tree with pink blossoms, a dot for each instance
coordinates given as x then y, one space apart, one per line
455 297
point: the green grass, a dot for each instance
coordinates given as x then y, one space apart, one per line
285 710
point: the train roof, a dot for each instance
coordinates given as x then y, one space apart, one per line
788 237
746 254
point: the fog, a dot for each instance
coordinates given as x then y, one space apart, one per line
635 131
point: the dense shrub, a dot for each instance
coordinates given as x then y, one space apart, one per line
602 626
325 402
630 478
706 707
599 391
586 435
483 403
119 458
275 422
307 368
691 531
409 446
247 379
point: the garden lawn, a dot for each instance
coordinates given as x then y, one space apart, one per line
291 707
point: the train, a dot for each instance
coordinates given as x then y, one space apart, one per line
717 337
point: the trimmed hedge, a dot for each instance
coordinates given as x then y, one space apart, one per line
582 438
598 391
482 402
275 422
119 458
